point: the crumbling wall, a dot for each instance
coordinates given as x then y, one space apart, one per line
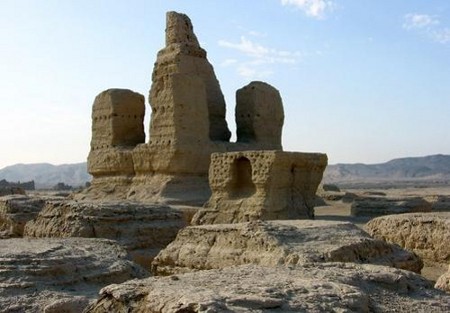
266 185
117 127
117 119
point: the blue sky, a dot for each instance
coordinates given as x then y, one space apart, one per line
363 81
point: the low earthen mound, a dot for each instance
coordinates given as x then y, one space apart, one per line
426 234
272 243
377 206
15 211
142 229
59 275
327 287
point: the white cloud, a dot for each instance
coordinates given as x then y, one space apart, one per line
412 21
313 8
246 46
256 34
228 62
257 58
441 35
428 26
261 54
249 72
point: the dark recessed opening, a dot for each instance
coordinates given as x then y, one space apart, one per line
242 185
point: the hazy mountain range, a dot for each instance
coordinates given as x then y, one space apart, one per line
433 168
47 175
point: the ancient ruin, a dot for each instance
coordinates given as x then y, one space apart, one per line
187 125
263 252
261 185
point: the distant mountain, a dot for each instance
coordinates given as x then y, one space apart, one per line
47 175
433 168
428 168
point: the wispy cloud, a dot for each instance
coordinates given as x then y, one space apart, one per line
261 54
249 72
256 34
257 58
246 46
441 35
412 21
313 8
428 26
228 62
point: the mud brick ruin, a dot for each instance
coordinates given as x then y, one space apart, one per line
187 126
263 246
266 185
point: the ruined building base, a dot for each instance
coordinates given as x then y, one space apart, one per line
261 185
158 188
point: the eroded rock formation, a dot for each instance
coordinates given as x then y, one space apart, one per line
426 234
59 275
275 243
326 287
261 185
142 229
15 211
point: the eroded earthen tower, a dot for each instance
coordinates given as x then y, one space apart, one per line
187 126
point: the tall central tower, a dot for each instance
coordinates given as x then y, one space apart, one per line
185 96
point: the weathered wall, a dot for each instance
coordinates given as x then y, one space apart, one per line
183 55
259 115
117 127
117 119
267 185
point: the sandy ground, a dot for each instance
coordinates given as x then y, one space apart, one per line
340 211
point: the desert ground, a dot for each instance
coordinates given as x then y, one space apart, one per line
340 210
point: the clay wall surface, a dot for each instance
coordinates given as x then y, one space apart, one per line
259 115
183 55
117 119
251 185
117 127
